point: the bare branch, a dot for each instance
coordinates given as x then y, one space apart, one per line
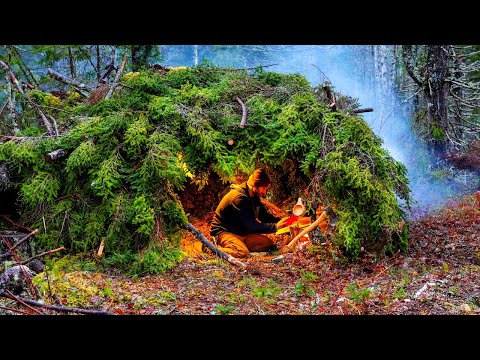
55 307
14 81
212 247
117 78
244 113
9 251
39 255
80 87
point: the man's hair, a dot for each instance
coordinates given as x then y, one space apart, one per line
259 178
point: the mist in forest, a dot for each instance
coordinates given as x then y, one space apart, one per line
364 72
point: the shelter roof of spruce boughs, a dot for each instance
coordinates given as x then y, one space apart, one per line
135 161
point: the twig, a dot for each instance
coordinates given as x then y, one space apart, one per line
252 68
58 308
244 113
14 82
16 298
28 278
15 310
42 254
15 224
9 251
21 138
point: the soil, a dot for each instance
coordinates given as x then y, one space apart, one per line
439 274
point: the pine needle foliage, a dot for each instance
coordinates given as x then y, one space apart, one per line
131 156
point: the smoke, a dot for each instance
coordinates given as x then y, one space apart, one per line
365 72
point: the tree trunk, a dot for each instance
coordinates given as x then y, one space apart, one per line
436 91
72 63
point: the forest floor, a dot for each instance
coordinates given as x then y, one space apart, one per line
439 274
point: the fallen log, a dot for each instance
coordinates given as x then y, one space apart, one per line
198 234
80 87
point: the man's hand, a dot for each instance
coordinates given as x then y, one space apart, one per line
282 223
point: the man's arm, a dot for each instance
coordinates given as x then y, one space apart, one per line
246 218
266 217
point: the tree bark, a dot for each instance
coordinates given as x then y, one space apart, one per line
72 63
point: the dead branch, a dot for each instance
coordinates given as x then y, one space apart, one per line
54 122
15 310
14 81
42 254
57 307
21 138
25 69
331 97
9 251
244 113
363 110
3 107
80 87
16 298
198 234
26 272
27 85
110 68
117 78
15 224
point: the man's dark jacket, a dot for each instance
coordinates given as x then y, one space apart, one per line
237 213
